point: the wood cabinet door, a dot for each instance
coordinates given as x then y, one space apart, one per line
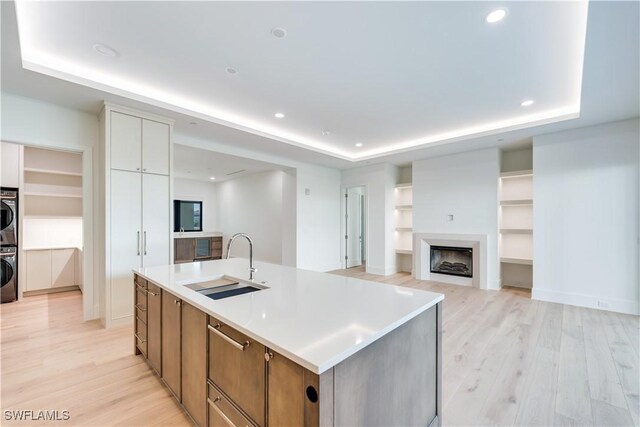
292 393
155 147
237 367
154 330
38 270
171 351
156 227
184 250
63 267
194 363
126 235
126 142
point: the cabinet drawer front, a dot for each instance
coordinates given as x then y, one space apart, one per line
216 244
141 299
141 336
222 413
238 368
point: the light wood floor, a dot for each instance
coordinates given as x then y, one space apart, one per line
508 360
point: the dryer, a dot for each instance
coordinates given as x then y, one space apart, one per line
9 217
9 273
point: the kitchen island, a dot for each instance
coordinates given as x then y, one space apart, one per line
303 348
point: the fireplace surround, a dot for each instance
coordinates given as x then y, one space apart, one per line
422 243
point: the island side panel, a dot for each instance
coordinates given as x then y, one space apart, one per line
395 380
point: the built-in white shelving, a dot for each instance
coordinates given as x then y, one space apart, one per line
404 224
516 228
52 183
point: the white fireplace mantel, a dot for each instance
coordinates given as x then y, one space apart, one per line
422 252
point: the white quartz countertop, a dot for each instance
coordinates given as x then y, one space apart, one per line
196 234
314 319
45 248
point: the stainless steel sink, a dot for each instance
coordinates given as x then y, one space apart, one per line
225 287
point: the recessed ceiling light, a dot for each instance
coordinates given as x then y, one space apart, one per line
231 70
496 16
193 123
358 144
212 178
105 50
526 103
326 132
279 115
279 32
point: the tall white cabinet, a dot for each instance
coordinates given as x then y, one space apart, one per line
137 186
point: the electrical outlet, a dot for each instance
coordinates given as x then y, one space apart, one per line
603 304
307 191
450 217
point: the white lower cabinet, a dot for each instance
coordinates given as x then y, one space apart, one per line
50 269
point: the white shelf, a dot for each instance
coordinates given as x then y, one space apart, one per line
516 231
517 174
520 261
52 172
404 251
404 185
521 202
404 207
72 196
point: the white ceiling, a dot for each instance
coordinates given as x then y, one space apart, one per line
201 165
391 75
610 87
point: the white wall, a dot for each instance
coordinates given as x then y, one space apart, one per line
466 186
586 186
253 205
205 192
51 232
517 160
40 124
316 229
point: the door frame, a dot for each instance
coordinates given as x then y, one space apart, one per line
343 223
90 301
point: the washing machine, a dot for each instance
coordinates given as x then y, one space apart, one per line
9 217
9 273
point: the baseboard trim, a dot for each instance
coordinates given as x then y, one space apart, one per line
589 301
51 290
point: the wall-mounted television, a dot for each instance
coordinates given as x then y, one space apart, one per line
187 215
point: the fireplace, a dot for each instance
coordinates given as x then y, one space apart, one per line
452 260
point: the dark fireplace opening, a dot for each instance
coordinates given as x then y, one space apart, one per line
452 261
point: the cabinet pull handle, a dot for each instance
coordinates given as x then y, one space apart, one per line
216 330
141 308
151 293
145 242
138 242
177 302
140 339
212 403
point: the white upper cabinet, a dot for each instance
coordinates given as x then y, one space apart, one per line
155 147
139 145
126 142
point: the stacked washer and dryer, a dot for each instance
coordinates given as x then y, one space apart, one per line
9 244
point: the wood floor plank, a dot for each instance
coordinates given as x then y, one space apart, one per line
573 398
605 414
604 382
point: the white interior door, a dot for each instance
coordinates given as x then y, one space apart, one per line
156 234
126 239
353 220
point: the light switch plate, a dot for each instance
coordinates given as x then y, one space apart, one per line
450 217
